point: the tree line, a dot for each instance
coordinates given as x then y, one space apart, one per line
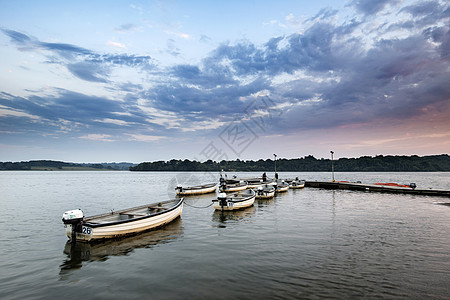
379 163
60 165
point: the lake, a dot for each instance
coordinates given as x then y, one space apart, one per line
309 243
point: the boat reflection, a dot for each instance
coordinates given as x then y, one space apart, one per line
265 202
224 217
101 251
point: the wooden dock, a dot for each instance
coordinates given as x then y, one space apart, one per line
375 188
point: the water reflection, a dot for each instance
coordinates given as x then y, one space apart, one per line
86 252
224 217
264 202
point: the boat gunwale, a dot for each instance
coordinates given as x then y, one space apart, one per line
241 199
199 187
93 225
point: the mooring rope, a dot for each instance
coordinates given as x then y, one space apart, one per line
197 206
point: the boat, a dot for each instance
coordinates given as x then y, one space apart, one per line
297 184
266 191
257 182
101 251
234 201
281 186
196 190
120 223
232 185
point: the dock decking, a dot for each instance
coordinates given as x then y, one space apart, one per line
375 188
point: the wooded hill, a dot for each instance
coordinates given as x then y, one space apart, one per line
380 163
309 163
51 165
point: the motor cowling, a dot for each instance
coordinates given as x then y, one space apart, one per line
222 199
260 190
179 188
73 216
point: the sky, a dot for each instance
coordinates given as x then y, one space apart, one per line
135 81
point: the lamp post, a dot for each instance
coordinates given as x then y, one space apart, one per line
332 165
276 175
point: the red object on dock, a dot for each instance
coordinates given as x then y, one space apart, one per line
393 184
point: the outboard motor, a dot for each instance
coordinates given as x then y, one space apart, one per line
179 188
412 185
223 184
73 218
222 199
260 190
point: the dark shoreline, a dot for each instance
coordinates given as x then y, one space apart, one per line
380 163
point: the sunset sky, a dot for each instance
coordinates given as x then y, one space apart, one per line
134 81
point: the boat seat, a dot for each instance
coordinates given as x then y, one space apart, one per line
134 215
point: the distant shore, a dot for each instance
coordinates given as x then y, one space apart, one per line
51 165
380 163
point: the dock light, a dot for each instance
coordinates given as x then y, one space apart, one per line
332 165
275 165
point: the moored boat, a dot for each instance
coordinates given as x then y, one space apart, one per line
120 223
257 182
232 185
281 186
297 184
234 201
266 191
196 190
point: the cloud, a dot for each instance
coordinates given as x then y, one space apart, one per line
172 49
82 63
88 71
369 7
116 44
144 138
330 75
128 27
98 137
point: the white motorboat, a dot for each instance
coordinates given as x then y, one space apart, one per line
196 190
120 223
281 186
297 184
266 191
234 201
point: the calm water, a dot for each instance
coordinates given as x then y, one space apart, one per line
309 243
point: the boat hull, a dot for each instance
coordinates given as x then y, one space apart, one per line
235 188
265 195
196 191
282 190
231 205
94 232
297 185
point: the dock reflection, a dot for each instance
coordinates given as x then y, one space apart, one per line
101 251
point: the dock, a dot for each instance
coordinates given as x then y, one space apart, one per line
375 188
